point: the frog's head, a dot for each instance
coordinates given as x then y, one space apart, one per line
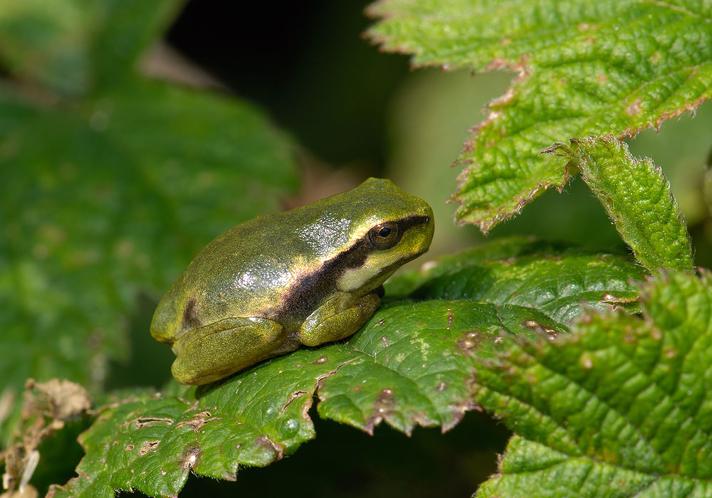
388 228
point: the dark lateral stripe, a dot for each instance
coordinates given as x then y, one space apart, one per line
303 298
411 221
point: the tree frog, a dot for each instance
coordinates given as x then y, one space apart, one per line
307 276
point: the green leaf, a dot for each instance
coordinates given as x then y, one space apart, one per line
406 282
413 364
585 68
525 272
620 407
73 46
116 199
638 199
128 27
46 42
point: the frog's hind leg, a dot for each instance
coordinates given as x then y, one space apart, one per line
209 353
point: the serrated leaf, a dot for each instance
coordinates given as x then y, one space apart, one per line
75 46
638 199
413 364
585 68
620 407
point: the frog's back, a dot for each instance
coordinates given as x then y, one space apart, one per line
245 272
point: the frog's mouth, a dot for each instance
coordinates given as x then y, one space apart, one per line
379 275
388 271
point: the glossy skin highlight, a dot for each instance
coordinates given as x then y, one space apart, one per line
302 277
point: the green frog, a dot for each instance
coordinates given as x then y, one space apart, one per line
302 277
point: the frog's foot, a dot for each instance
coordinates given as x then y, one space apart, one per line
209 353
338 318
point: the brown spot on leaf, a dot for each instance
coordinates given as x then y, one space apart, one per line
467 404
321 360
197 421
270 445
441 386
320 380
230 476
586 361
129 447
551 334
382 408
190 457
541 329
466 345
497 64
470 340
148 447
450 318
612 299
292 397
634 108
142 422
458 413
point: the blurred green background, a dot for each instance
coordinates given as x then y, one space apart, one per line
353 112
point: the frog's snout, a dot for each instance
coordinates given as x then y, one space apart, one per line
163 327
428 228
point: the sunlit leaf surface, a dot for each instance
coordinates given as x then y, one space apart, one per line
585 68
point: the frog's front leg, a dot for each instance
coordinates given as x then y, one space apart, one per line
209 353
337 318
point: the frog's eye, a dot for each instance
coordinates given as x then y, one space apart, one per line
384 236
